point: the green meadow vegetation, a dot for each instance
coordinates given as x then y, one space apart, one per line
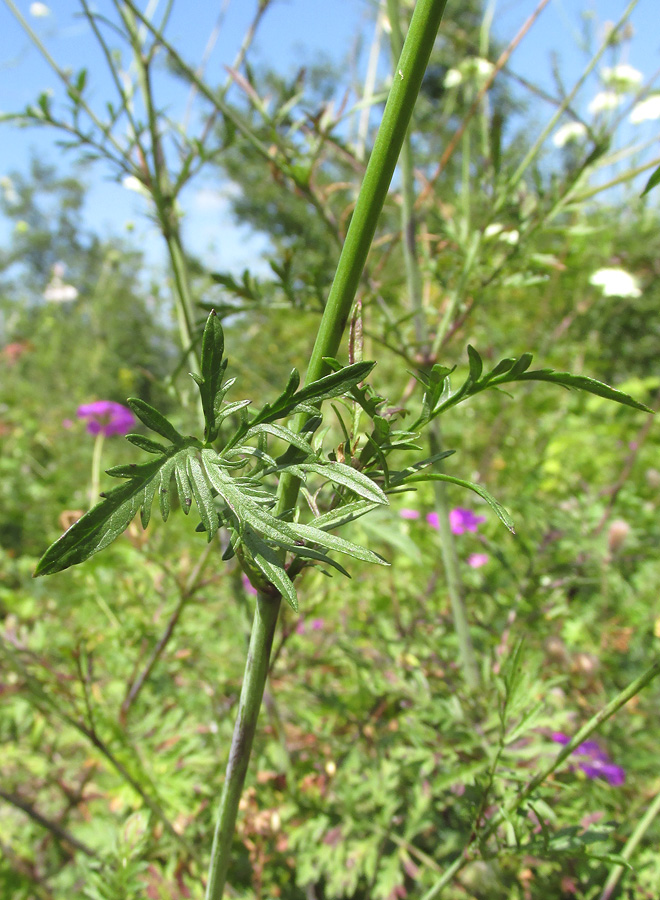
455 492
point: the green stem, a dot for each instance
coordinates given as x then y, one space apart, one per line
396 117
96 469
451 565
254 682
631 845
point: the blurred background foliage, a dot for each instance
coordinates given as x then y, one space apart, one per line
373 762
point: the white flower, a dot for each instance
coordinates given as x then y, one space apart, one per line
621 78
615 283
131 183
39 10
646 110
453 78
57 291
509 237
571 131
476 68
603 101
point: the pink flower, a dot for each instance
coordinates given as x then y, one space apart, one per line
106 417
409 514
433 520
477 560
461 520
247 584
315 625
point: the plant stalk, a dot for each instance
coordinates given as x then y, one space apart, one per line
396 117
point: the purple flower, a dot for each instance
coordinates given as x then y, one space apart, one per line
477 560
106 417
433 520
461 520
409 514
596 763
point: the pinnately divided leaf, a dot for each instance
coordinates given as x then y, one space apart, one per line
108 519
347 476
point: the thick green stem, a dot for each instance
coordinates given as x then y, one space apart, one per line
396 117
414 284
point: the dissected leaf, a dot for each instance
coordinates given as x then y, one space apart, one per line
500 511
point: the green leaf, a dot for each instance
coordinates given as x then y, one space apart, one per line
333 385
345 514
333 542
284 434
347 476
109 518
270 564
583 383
155 421
213 369
653 181
476 365
500 511
203 497
146 444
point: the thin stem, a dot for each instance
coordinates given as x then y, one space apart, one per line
96 469
631 845
452 569
61 834
396 117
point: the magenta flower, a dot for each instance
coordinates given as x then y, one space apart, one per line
409 514
315 625
433 520
596 763
477 560
106 417
461 520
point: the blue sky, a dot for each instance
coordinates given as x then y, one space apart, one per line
293 32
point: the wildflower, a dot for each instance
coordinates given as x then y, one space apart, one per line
409 514
596 763
477 560
39 10
106 417
249 587
461 520
615 283
478 68
433 520
56 290
603 101
622 77
571 131
646 110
